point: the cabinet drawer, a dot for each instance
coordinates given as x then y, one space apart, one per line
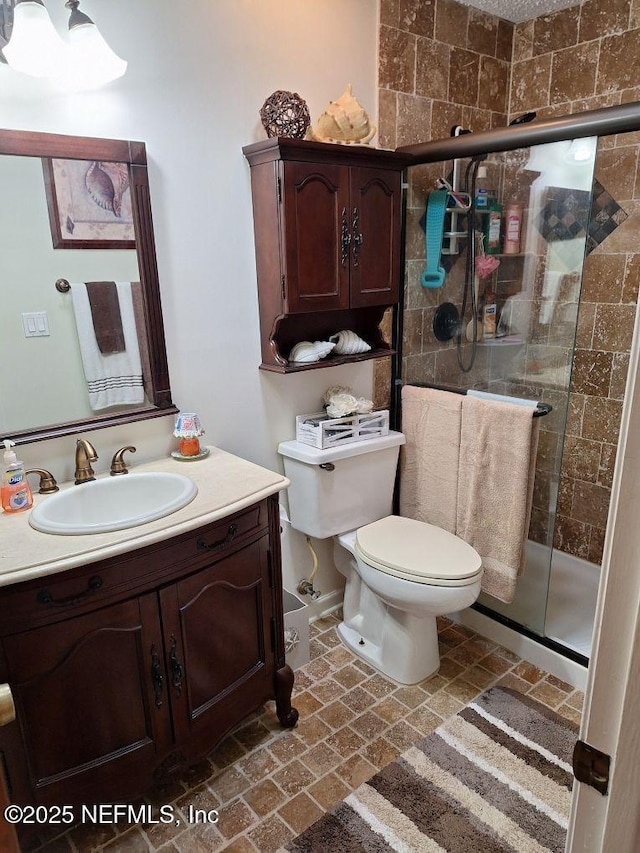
51 598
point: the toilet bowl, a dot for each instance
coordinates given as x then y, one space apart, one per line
401 574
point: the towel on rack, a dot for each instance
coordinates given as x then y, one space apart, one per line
429 460
112 379
498 444
106 316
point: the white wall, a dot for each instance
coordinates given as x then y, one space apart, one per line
198 74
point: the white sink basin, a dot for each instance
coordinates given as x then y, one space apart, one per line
113 503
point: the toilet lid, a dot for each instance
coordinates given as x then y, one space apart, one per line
417 551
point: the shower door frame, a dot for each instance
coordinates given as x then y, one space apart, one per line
606 121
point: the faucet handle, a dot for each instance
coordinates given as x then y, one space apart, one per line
48 483
118 465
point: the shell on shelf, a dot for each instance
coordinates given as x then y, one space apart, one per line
307 351
348 343
345 122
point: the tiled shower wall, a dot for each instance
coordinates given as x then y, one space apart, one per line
441 64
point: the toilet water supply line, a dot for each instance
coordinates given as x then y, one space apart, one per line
305 587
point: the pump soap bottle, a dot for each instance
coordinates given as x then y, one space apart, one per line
15 492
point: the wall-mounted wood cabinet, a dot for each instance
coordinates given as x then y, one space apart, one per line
327 224
128 669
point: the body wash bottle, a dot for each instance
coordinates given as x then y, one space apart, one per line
15 492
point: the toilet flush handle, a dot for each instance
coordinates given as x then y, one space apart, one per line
327 466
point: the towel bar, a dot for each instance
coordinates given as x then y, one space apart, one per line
541 410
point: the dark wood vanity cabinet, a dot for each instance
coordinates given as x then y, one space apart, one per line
327 224
125 671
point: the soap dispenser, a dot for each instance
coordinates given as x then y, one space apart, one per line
15 492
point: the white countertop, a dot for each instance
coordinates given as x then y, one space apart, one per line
226 484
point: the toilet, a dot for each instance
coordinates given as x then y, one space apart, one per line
400 573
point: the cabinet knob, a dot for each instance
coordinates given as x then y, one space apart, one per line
7 708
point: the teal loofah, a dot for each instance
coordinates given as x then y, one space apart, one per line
434 274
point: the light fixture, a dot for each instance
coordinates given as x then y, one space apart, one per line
90 62
35 48
30 43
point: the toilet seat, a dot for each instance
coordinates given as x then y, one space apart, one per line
418 552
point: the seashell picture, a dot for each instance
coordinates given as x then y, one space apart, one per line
89 204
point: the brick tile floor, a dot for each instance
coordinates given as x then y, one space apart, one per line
268 784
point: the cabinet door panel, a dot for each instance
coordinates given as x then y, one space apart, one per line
317 269
375 218
219 623
85 703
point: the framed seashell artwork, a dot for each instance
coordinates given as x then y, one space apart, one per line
89 204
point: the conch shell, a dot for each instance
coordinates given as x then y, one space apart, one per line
348 343
106 183
306 351
344 121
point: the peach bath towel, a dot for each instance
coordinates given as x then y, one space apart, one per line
498 446
429 461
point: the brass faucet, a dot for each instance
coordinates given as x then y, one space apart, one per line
85 455
118 465
47 480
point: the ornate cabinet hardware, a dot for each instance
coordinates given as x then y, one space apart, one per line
177 670
358 238
44 596
156 675
214 546
345 239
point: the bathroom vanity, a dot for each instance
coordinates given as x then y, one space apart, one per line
132 653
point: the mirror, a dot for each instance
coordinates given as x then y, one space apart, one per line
50 247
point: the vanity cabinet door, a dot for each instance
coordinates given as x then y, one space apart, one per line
316 251
91 704
218 637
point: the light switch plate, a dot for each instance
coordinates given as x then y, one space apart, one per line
35 324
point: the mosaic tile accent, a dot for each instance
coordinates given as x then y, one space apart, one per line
606 216
569 214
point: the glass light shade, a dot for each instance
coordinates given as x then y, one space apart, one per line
90 62
35 48
188 425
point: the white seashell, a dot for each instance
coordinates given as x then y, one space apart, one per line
344 121
348 343
307 352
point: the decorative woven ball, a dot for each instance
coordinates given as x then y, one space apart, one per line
285 114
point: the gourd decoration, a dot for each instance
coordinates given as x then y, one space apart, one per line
285 114
348 343
344 122
306 352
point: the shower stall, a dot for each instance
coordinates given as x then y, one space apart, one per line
562 287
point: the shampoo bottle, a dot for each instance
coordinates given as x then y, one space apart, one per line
15 492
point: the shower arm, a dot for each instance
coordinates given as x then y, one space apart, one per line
602 122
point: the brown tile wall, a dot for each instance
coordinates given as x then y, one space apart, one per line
442 63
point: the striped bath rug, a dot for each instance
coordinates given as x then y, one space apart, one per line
496 777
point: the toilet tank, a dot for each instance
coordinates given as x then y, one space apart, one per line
354 487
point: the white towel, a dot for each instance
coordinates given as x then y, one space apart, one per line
487 395
114 379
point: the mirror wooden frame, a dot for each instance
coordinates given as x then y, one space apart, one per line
49 145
